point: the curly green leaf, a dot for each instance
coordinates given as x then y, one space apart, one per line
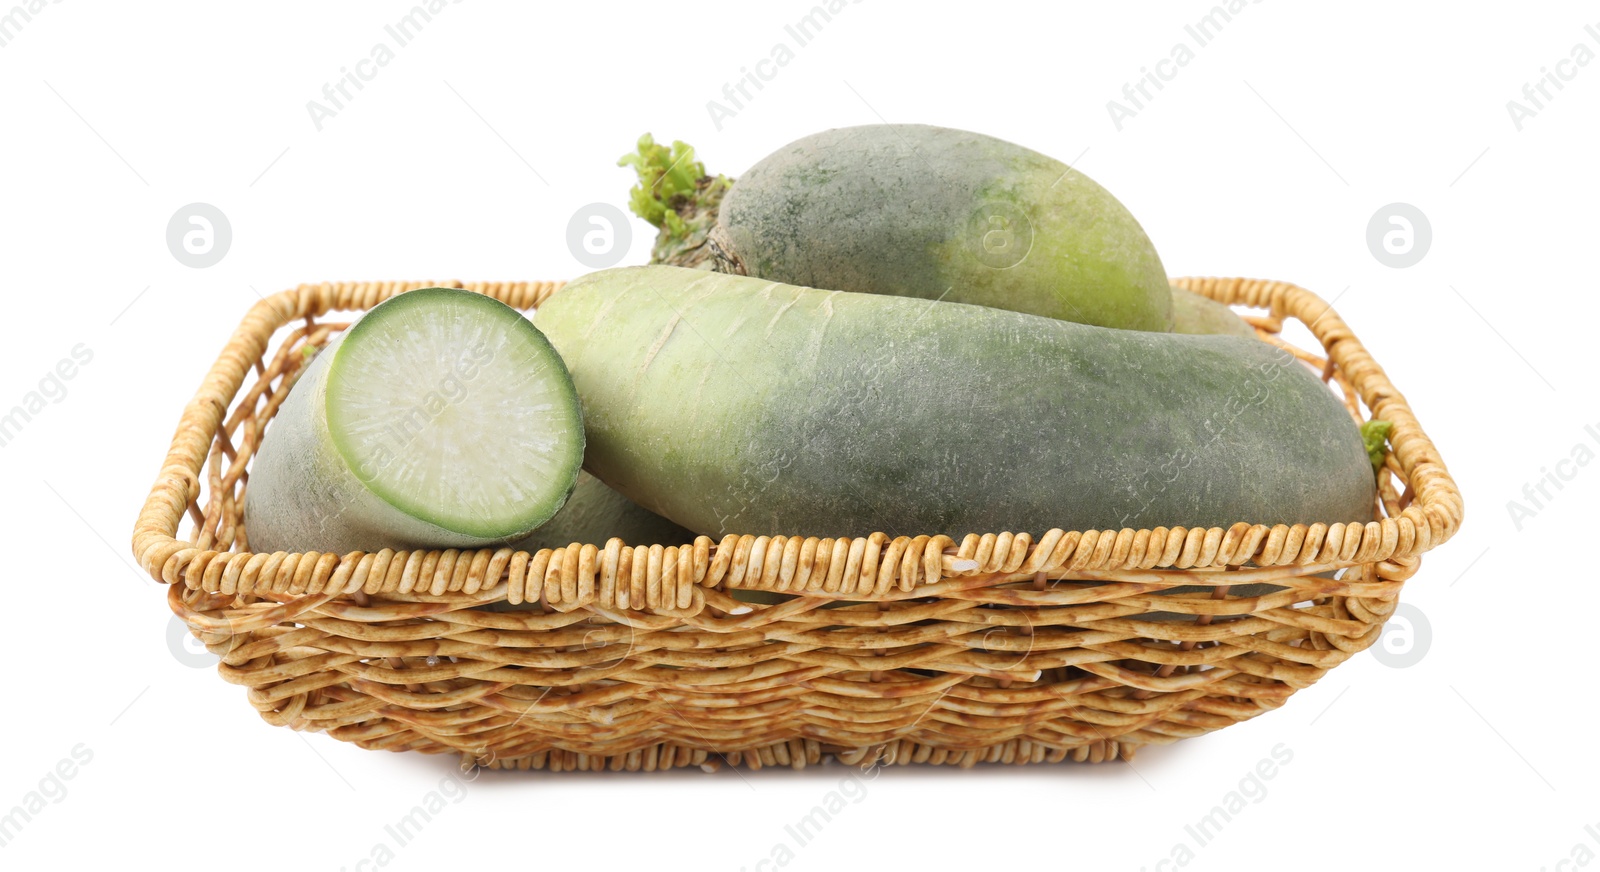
675 195
1376 434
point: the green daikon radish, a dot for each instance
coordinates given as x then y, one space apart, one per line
441 419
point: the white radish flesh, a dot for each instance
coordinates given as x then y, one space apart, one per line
441 419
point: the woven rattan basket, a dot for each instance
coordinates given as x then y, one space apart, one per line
1002 647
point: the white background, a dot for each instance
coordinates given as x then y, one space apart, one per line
465 158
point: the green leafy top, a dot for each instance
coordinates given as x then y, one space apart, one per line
674 194
665 174
1375 434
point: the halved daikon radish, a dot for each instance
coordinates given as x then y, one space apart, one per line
441 419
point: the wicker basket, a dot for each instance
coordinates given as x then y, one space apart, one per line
1079 645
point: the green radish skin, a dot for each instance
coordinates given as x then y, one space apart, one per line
930 212
736 405
1201 316
441 419
595 514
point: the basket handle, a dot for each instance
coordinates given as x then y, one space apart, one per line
1435 512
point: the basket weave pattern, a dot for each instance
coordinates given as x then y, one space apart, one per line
1002 647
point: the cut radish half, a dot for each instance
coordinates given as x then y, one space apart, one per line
440 419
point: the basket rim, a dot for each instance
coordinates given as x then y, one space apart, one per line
1431 515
